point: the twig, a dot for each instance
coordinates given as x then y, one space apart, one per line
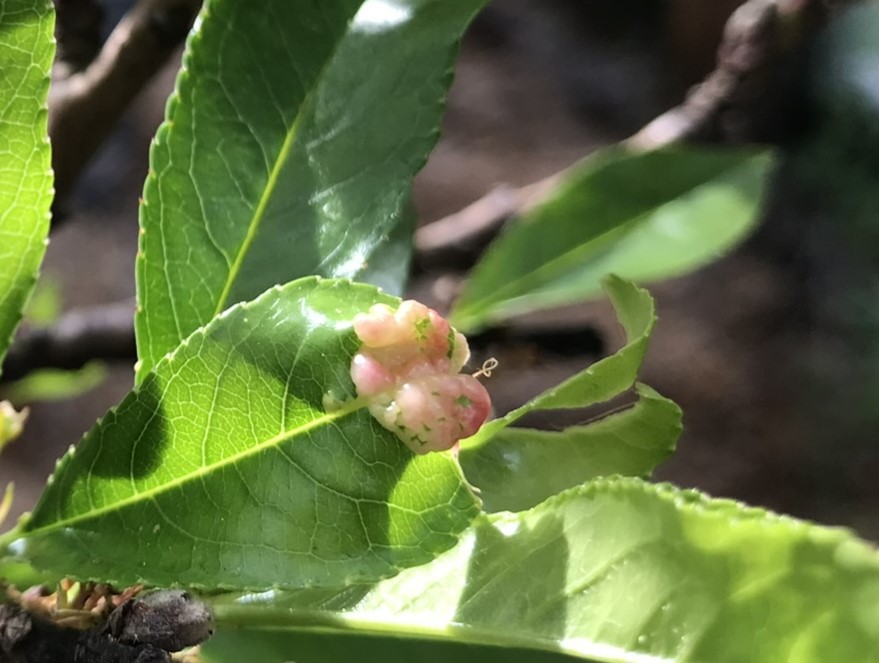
103 332
747 45
457 240
84 107
728 106
139 631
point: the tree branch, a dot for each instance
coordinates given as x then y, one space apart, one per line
749 41
81 336
85 106
457 240
141 630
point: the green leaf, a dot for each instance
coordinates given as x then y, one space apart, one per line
305 647
641 215
20 574
389 267
223 468
27 47
604 379
289 150
55 384
45 305
620 571
519 468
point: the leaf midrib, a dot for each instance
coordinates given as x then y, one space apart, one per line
352 407
277 167
262 206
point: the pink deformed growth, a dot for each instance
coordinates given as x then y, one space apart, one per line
407 371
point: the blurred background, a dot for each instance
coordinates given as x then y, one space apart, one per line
772 352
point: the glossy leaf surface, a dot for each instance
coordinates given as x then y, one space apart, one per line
27 47
640 215
289 150
519 467
621 571
223 467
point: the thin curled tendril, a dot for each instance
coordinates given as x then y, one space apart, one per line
488 367
407 372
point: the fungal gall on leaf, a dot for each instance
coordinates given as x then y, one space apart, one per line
407 372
